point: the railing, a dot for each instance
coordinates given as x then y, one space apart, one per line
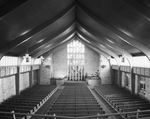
27 116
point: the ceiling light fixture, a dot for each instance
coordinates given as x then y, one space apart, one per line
27 57
50 58
110 41
123 39
25 32
109 46
102 46
123 59
41 58
40 41
48 46
126 32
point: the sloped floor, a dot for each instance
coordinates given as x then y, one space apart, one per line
73 99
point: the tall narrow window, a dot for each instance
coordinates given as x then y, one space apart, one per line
75 57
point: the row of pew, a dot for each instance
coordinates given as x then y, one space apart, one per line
123 101
28 102
75 101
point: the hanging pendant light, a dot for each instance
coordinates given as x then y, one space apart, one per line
42 58
27 57
123 59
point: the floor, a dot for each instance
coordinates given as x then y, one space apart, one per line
45 107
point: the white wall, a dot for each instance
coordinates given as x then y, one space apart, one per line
59 59
45 72
105 72
7 88
24 81
147 90
91 61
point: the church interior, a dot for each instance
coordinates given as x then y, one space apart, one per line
74 59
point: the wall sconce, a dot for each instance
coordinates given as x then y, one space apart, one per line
103 66
101 60
50 58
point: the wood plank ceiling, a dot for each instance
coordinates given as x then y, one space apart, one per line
112 27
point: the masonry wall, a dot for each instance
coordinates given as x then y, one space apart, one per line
91 61
92 64
35 77
16 79
105 71
7 87
45 72
59 61
147 90
24 81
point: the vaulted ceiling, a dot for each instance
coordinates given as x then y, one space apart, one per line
111 27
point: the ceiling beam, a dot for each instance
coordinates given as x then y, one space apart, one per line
59 41
103 40
50 40
20 40
94 48
104 49
64 42
139 7
132 41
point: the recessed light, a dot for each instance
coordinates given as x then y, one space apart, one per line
102 46
40 41
48 46
25 32
126 32
110 41
109 46
124 40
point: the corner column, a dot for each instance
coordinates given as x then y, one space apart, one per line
31 76
17 81
132 81
119 76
